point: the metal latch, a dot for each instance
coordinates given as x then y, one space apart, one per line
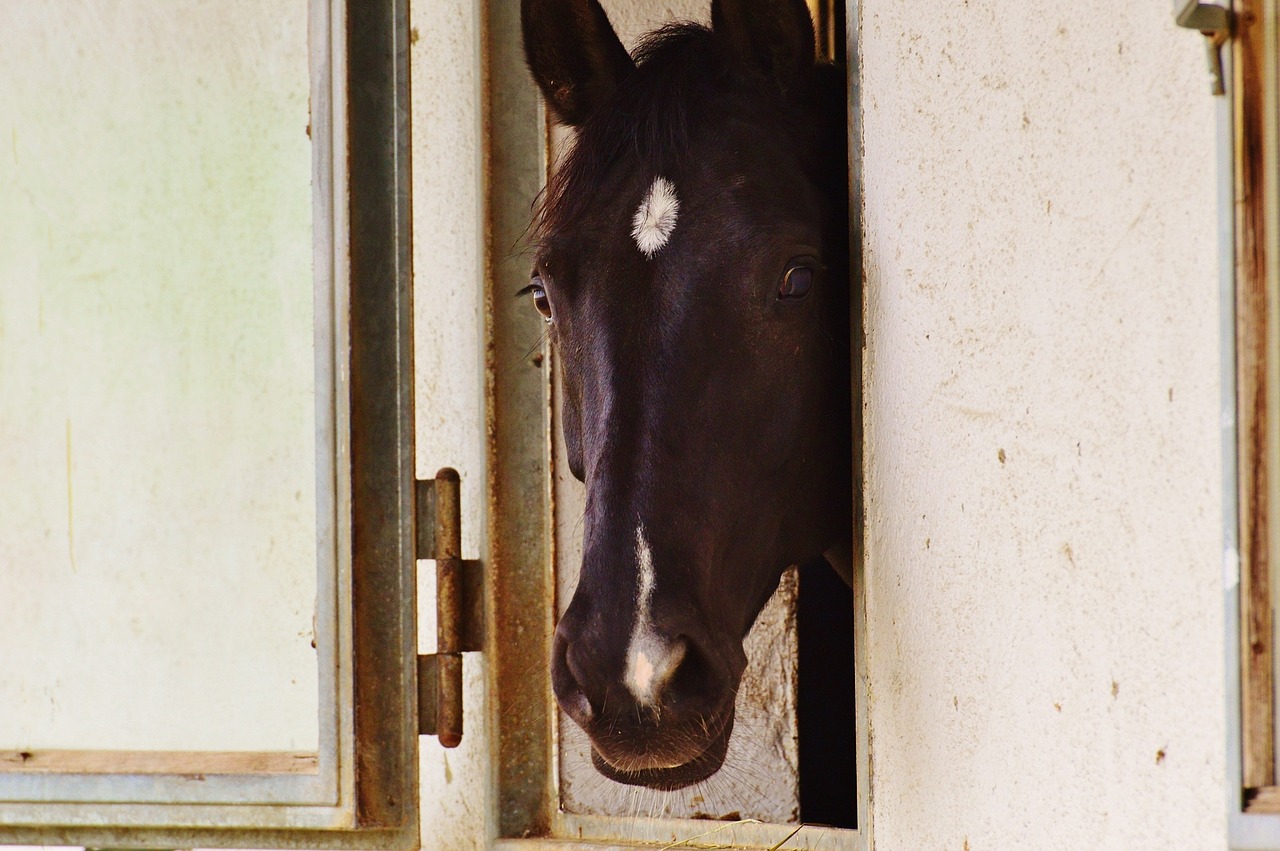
1214 23
459 606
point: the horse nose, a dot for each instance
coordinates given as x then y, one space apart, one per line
655 671
651 663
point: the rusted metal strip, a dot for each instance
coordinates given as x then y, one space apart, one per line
1253 331
520 587
381 461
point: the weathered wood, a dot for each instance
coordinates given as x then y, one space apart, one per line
160 762
1262 800
1254 356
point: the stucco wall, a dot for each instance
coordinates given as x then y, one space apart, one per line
1044 580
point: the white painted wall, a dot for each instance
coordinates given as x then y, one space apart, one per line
1044 580
448 237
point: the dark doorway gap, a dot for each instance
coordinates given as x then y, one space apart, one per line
825 699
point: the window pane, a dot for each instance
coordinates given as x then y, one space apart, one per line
158 474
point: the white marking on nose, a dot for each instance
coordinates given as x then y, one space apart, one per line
655 218
651 659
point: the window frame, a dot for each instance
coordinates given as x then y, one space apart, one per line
360 118
1249 160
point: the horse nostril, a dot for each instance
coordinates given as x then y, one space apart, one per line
698 681
568 686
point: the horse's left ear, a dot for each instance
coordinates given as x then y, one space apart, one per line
772 36
574 54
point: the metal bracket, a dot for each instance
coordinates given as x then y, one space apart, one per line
459 606
1214 23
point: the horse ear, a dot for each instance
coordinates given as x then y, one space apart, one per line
774 37
574 54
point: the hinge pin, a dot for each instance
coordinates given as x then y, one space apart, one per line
459 606
449 607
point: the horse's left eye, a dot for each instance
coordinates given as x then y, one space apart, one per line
539 293
541 302
796 283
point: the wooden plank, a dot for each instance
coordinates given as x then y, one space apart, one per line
160 762
1254 392
1262 800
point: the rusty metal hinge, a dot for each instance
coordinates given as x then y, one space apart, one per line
1214 23
459 606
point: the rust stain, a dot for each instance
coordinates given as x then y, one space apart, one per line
1160 756
1253 334
71 524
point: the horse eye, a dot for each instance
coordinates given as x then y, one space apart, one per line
796 283
540 300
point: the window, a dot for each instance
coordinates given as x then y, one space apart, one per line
203 279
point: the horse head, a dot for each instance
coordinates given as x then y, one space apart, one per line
692 266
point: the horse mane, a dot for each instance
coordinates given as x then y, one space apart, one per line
653 116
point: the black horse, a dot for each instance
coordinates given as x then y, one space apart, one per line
692 265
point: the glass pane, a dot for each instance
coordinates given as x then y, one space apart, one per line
158 391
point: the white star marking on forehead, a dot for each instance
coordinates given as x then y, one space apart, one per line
655 219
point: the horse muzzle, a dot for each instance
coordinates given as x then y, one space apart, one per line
659 713
667 770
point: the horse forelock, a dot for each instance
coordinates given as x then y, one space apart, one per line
682 88
648 124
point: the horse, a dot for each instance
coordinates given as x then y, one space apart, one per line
691 264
